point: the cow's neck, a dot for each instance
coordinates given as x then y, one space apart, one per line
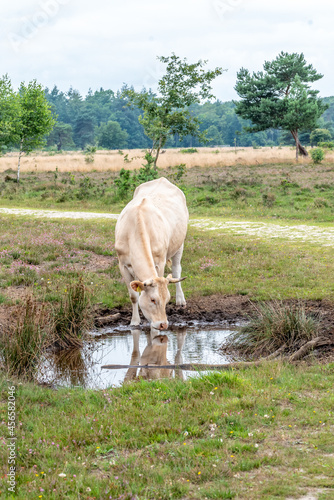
142 258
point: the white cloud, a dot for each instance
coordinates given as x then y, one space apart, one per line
93 44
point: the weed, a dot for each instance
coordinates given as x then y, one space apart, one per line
268 199
22 348
73 317
320 203
273 325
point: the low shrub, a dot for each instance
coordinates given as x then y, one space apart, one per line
268 199
273 325
74 316
317 155
188 151
22 347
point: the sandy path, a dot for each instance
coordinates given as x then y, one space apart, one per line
321 235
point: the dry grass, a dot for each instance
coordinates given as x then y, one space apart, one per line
114 161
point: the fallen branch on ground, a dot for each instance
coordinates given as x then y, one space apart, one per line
105 320
318 341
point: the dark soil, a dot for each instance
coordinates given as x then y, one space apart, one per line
225 309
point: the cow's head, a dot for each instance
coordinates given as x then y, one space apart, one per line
154 298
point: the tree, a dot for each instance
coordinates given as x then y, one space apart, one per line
61 136
279 97
320 135
167 112
35 120
83 128
110 135
9 113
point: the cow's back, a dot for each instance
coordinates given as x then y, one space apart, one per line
163 206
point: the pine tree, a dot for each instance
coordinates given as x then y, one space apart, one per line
279 97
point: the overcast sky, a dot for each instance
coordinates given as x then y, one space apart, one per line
99 43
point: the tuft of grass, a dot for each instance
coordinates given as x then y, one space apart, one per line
21 349
273 325
74 316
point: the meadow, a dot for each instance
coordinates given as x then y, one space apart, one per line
132 159
258 433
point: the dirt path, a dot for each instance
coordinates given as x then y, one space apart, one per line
318 234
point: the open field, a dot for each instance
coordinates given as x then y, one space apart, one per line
303 192
261 433
113 161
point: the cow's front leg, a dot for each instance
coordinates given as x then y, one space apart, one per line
134 296
176 273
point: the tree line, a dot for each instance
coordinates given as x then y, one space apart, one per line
276 106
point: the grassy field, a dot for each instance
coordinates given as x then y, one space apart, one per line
263 433
47 255
279 191
132 159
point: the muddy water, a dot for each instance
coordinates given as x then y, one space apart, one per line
82 367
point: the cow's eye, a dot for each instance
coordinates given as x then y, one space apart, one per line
153 300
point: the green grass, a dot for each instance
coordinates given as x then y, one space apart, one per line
53 253
281 191
223 435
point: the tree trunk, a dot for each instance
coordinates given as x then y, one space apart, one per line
299 148
18 165
157 154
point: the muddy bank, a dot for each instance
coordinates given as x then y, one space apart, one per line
213 309
217 309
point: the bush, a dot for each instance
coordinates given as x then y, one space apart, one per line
22 348
272 326
317 155
123 183
320 203
268 199
188 151
326 145
74 316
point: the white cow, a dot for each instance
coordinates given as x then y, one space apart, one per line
151 230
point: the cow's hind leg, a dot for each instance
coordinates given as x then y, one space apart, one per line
176 273
134 296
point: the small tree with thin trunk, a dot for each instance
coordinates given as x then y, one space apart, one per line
36 120
167 112
279 97
9 113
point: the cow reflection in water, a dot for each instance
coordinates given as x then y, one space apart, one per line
155 353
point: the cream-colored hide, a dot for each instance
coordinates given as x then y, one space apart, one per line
151 230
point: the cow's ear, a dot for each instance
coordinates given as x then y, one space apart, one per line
137 286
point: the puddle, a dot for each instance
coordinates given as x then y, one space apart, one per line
82 367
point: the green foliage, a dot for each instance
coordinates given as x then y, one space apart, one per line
148 171
279 97
123 183
167 113
128 180
111 136
326 145
62 136
317 155
189 151
9 114
320 135
89 153
36 119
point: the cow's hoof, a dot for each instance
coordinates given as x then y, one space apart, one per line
182 305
